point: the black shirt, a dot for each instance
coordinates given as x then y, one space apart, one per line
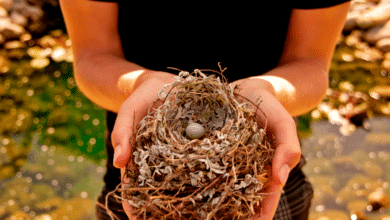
247 38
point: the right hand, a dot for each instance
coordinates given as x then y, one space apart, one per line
138 103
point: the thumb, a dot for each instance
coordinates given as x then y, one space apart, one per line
122 146
286 157
122 134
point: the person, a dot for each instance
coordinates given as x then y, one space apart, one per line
280 51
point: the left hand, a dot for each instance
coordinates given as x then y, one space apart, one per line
281 127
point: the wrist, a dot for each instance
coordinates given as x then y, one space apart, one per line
129 82
254 83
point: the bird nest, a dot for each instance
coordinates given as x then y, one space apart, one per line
215 171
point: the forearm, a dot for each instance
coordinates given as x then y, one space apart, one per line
108 80
299 85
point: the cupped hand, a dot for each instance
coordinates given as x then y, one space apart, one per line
282 129
280 126
132 111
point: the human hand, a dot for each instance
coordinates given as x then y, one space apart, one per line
133 110
282 129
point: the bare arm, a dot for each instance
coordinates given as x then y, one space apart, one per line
294 87
100 69
301 78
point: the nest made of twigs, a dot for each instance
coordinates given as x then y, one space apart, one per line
218 176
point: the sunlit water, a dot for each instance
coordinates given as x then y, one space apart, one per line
54 184
344 170
58 184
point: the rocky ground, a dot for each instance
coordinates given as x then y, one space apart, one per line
369 20
359 74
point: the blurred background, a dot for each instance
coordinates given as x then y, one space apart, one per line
52 152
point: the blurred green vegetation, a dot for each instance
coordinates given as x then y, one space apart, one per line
44 99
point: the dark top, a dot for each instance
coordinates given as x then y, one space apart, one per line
246 38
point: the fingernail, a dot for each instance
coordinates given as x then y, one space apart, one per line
283 173
117 152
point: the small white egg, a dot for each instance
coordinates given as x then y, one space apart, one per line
195 130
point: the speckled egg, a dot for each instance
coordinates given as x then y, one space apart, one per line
195 130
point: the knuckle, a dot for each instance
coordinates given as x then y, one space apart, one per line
290 121
115 138
296 154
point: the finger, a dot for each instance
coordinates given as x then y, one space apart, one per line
131 113
270 202
126 206
120 137
123 130
282 130
287 151
286 157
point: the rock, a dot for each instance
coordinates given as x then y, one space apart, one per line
3 212
357 206
70 209
25 37
355 10
4 64
6 171
42 192
359 215
56 33
350 163
37 52
369 54
47 41
49 204
43 217
37 28
19 19
383 45
59 54
345 164
63 173
324 189
386 64
18 215
4 22
354 39
32 12
346 86
387 56
12 45
374 16
372 169
319 166
7 4
377 141
11 31
3 12
351 21
331 215
378 32
357 188
2 39
39 63
378 199
16 54
380 91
